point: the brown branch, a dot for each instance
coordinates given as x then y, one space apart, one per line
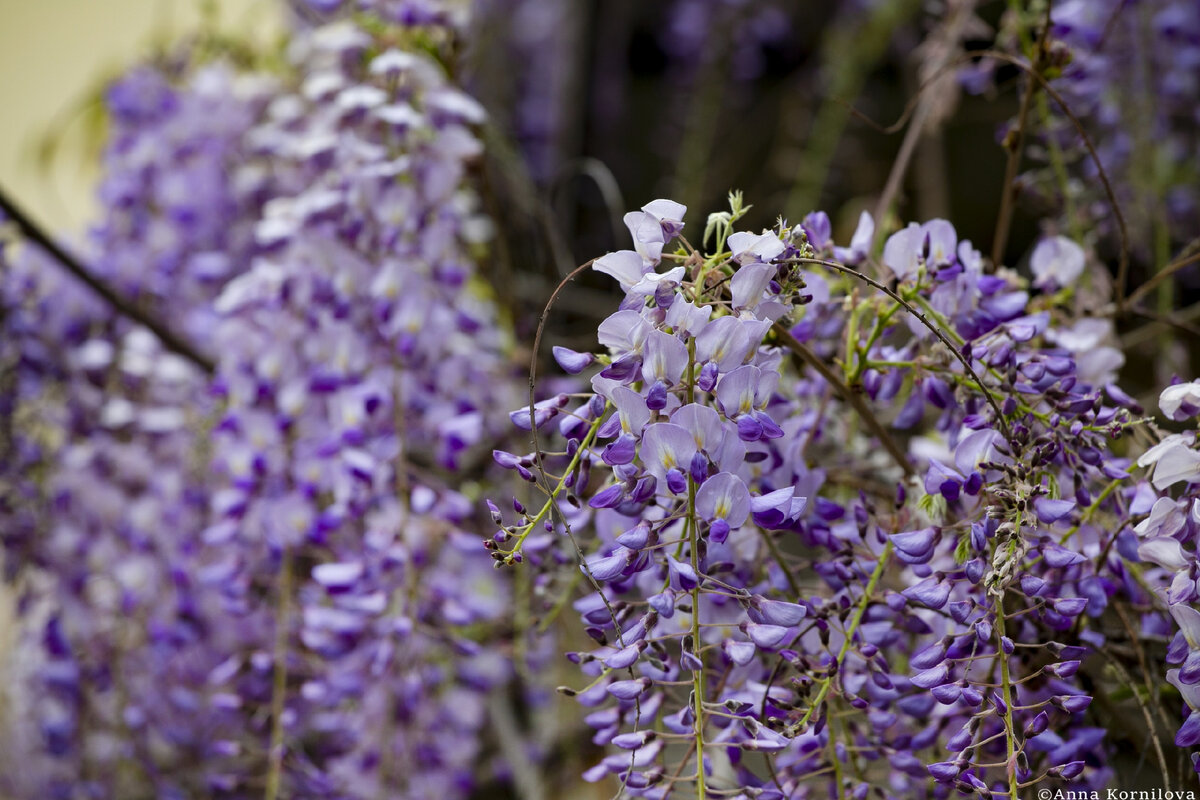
1060 101
123 306
801 351
1159 277
1101 173
900 167
1146 332
1152 729
1014 144
1172 321
920 119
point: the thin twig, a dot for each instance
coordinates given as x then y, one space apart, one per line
1172 321
777 554
911 309
849 395
533 364
1147 332
900 167
1014 144
1152 733
123 306
849 52
606 183
1159 277
1101 173
1060 101
554 509
916 128
527 779
279 679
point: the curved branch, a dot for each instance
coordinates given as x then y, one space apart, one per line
952 30
606 183
123 306
554 509
1171 321
533 362
1123 265
1014 144
849 395
1159 277
537 447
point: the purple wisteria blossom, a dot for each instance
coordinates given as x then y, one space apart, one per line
253 583
752 584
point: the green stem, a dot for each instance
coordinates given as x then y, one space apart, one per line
698 674
1090 510
826 682
567 594
279 687
837 765
550 501
778 556
1006 695
1059 166
1054 151
852 346
693 529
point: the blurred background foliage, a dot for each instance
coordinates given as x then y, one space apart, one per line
611 103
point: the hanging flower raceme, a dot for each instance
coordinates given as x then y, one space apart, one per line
362 346
275 559
750 579
107 467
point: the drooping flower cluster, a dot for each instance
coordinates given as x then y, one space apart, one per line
359 359
1166 544
767 561
262 582
1132 78
103 476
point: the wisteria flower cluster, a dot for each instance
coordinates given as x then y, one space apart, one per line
785 597
260 582
103 481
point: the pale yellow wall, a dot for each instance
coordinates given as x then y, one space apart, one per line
53 53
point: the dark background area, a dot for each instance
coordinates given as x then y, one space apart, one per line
636 119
